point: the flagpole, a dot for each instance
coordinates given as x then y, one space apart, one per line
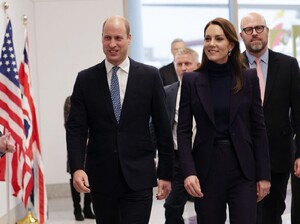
29 218
8 162
25 20
5 6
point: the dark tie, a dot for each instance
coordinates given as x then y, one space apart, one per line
115 93
260 78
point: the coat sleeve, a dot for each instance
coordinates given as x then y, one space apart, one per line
164 140
184 129
295 103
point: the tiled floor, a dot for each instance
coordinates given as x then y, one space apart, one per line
61 212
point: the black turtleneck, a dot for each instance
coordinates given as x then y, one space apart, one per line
220 76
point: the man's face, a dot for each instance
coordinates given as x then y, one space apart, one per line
185 63
115 41
257 41
176 46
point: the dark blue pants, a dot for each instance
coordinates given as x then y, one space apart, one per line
123 205
226 185
175 202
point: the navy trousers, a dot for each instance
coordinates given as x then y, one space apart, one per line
226 186
123 205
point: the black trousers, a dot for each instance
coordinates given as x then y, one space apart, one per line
295 206
175 202
123 205
226 185
271 208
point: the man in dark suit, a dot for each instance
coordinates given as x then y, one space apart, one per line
120 170
167 72
281 96
185 60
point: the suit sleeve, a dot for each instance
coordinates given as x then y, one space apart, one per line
295 102
163 131
184 129
77 127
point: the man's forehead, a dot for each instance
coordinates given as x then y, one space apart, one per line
183 57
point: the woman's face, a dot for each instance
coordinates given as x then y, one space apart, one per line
216 45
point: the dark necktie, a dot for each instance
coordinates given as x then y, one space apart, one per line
115 93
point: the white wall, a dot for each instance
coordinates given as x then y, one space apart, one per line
68 35
64 38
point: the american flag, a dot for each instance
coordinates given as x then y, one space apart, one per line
32 138
11 114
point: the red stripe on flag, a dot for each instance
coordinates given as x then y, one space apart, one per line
2 168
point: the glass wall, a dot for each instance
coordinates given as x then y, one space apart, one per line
165 20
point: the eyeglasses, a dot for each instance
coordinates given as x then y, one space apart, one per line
258 29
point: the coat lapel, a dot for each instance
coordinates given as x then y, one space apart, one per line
103 85
171 92
235 101
273 68
132 84
204 93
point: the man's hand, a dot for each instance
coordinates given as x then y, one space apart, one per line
164 189
297 167
6 145
263 189
192 186
81 181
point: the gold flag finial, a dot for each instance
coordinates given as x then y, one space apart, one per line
25 20
5 5
28 219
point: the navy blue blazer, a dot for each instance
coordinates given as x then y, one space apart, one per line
246 127
127 144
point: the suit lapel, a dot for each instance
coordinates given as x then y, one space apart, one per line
273 68
173 99
203 89
235 101
103 85
132 84
204 93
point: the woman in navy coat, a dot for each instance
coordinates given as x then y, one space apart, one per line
229 164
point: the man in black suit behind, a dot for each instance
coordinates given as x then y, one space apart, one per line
281 96
120 170
167 72
185 60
